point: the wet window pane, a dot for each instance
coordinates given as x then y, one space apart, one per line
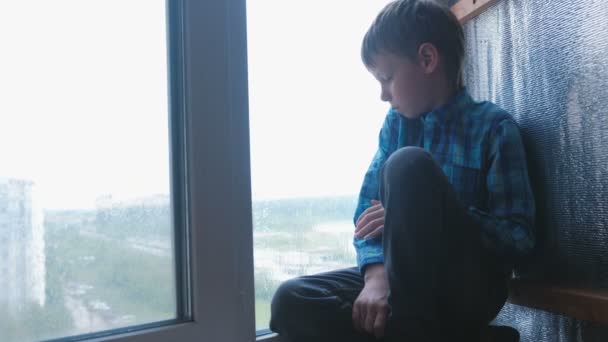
85 215
315 113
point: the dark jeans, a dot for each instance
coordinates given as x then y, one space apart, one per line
443 285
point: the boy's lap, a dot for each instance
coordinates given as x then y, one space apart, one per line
342 281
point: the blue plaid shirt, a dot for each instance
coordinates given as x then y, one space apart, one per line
479 148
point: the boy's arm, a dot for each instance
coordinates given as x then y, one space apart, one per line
370 251
508 225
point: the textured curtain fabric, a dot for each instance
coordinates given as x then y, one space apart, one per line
546 62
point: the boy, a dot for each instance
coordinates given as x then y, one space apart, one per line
445 208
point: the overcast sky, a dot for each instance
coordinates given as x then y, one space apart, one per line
83 98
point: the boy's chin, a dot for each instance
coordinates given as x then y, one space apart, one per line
407 115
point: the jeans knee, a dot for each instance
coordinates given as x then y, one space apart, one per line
407 164
283 303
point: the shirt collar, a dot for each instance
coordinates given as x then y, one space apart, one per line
452 109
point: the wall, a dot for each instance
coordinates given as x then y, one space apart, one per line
546 62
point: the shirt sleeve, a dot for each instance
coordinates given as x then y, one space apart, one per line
370 251
508 224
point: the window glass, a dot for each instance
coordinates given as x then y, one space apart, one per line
85 209
315 113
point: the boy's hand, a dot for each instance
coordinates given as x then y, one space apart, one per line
371 222
370 309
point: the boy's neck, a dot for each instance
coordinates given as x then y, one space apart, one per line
444 95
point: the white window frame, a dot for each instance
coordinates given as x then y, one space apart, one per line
210 141
208 72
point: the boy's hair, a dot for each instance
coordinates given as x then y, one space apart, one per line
403 25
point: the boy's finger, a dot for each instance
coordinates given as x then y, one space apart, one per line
378 212
356 317
364 230
374 207
372 225
377 217
375 233
370 319
380 324
360 318
359 224
362 216
365 218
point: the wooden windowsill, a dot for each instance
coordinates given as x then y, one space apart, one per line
580 303
466 10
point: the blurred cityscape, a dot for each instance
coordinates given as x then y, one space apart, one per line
22 256
71 272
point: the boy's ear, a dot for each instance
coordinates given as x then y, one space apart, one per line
428 57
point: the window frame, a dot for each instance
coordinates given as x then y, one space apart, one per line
211 181
208 73
211 186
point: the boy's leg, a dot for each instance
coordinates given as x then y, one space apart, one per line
442 284
318 307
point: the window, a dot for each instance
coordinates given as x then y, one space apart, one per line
192 184
84 144
315 113
86 148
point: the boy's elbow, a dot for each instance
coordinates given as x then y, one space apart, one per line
524 242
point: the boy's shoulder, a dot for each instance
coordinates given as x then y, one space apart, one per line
487 114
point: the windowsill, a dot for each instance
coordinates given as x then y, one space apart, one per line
582 303
269 337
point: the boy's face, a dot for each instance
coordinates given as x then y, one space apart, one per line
404 84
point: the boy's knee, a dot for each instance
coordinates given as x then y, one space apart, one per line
283 296
407 164
283 303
